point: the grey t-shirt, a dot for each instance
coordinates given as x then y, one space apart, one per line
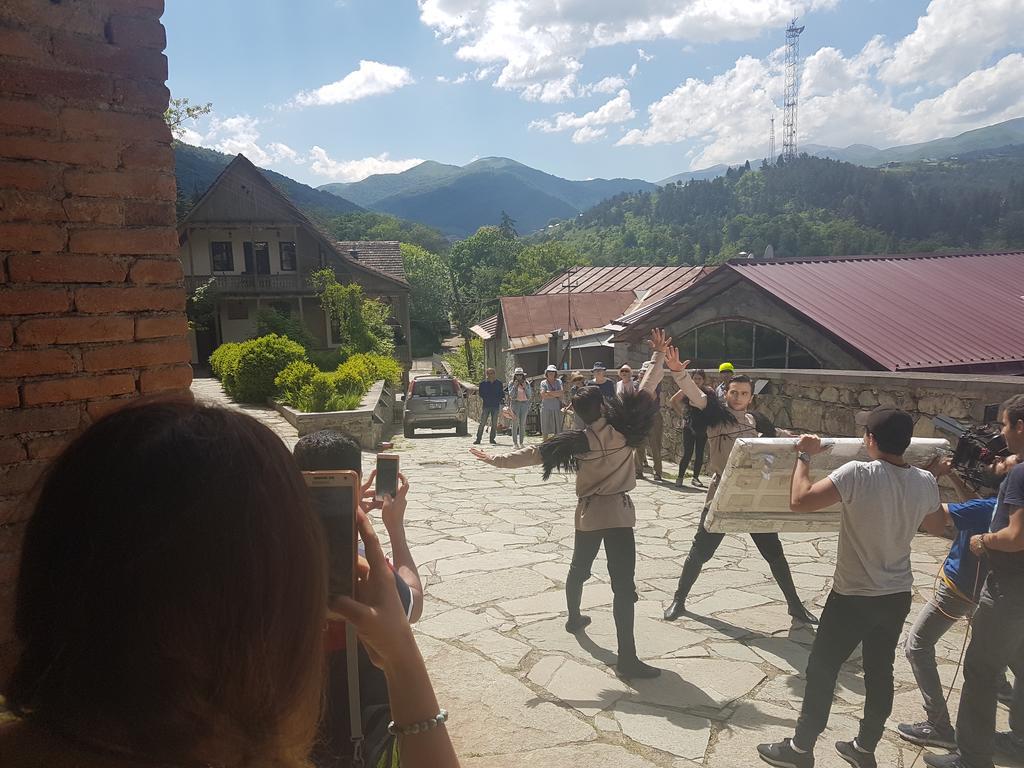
1011 496
883 506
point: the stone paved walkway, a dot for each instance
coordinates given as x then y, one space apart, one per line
494 547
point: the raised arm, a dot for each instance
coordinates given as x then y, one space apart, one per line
683 380
805 496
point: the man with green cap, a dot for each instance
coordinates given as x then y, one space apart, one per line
725 372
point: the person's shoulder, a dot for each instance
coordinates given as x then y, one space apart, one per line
973 506
1016 475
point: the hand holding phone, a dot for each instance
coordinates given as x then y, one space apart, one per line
386 476
334 497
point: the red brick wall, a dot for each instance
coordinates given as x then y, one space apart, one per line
91 301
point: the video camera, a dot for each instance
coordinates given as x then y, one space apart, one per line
978 447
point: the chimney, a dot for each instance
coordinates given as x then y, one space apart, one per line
354 254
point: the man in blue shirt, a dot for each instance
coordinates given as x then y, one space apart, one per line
492 392
602 382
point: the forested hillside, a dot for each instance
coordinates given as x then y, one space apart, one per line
811 207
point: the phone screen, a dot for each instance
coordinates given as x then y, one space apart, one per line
387 475
334 504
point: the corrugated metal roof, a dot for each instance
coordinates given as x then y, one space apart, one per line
649 283
383 255
538 315
909 313
486 329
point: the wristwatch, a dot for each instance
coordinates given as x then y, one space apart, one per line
804 457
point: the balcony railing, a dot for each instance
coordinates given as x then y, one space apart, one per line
252 283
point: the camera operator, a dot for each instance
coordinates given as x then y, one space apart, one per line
998 624
956 597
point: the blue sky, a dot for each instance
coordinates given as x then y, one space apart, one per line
333 90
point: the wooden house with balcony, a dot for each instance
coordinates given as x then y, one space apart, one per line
260 249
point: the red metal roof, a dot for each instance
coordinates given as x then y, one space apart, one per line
657 282
536 315
909 313
486 328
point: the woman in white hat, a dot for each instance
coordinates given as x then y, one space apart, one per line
551 394
519 395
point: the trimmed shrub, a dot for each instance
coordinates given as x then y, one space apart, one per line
327 360
259 363
294 379
328 392
224 364
372 367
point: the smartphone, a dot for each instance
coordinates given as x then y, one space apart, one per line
387 476
335 496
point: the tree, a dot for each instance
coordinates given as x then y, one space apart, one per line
537 264
507 228
430 298
181 110
362 323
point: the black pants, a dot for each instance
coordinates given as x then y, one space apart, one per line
705 543
620 549
693 445
485 414
874 622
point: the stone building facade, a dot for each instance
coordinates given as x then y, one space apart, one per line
91 297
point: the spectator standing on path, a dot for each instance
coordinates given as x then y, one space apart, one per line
577 385
883 504
653 440
998 624
695 430
602 382
520 393
725 373
492 393
956 597
551 394
727 420
602 457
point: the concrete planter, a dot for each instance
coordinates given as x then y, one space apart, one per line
365 423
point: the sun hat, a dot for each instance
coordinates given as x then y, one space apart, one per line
518 372
725 367
551 368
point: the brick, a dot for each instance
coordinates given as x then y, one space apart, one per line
83 18
131 31
178 377
157 326
74 330
32 237
6 334
76 388
19 478
125 241
151 9
122 185
149 154
21 44
89 54
92 210
20 363
11 450
29 176
26 206
33 80
48 447
97 409
51 419
28 114
106 300
98 154
106 123
33 301
66 268
141 95
150 271
9 397
140 354
149 214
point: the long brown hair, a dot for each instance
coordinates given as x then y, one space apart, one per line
172 591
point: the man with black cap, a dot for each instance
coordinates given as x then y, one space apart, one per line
602 382
883 503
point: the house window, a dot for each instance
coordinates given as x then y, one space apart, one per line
257 258
745 345
221 257
237 310
288 260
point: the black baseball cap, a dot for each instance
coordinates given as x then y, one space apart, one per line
891 427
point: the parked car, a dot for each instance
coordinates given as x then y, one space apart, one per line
435 402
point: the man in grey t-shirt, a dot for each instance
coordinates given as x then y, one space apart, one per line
883 503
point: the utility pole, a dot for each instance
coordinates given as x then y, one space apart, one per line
792 90
568 287
463 324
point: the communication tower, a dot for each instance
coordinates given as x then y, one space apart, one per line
771 141
792 90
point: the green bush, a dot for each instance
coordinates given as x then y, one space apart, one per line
271 321
293 380
224 363
379 367
327 360
259 363
328 392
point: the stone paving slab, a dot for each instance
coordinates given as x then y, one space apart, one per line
494 548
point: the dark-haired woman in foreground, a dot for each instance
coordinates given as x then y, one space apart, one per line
171 604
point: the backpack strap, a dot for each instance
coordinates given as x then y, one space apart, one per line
354 706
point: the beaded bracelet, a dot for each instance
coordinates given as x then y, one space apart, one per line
426 725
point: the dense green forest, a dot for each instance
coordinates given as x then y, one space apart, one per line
810 207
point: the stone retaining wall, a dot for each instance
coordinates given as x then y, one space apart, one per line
366 423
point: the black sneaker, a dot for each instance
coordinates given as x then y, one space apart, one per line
854 756
928 735
952 760
1009 746
476 442
697 483
575 623
634 669
782 754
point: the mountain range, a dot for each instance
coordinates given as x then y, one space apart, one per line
459 199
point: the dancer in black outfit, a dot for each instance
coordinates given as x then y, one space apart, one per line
695 430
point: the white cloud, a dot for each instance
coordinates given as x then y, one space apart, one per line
953 38
354 170
633 69
605 85
590 126
644 55
279 151
371 79
539 44
239 134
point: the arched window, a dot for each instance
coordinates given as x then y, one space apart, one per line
745 345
